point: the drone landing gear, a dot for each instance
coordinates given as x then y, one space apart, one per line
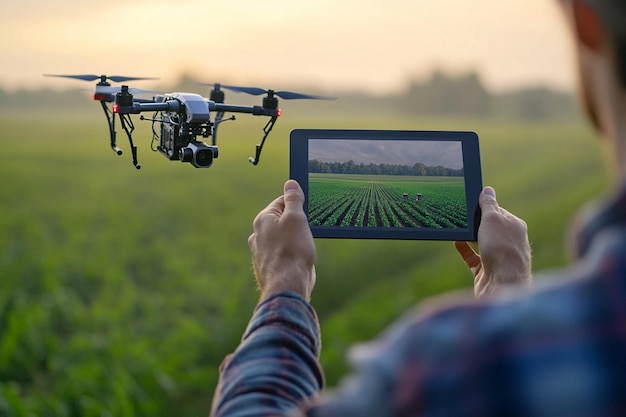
129 127
111 120
259 148
219 118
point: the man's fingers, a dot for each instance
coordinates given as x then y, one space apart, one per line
275 208
271 213
469 255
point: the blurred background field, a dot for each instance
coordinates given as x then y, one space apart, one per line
122 290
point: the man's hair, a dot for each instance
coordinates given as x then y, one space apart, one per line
613 16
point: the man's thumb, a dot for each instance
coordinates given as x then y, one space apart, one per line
487 200
294 196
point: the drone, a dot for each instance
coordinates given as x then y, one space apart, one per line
179 119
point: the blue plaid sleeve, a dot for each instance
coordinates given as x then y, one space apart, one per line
560 351
276 365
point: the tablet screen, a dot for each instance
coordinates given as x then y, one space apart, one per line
388 184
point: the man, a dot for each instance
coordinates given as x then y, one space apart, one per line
554 351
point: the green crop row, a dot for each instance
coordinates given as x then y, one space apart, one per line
336 201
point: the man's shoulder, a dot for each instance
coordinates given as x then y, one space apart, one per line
563 304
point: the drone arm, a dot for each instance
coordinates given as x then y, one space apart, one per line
136 108
233 108
175 105
259 148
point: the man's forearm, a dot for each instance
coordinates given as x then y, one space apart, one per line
276 365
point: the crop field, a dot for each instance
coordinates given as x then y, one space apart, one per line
386 201
121 291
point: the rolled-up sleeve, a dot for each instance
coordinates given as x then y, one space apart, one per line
276 366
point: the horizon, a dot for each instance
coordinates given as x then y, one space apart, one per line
182 79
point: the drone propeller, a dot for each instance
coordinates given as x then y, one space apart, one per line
102 78
255 91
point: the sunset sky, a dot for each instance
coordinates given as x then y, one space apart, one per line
368 45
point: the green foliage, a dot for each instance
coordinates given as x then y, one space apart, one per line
466 95
122 290
377 200
349 167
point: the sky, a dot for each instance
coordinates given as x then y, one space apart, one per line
329 45
431 153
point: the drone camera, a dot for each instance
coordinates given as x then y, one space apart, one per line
199 154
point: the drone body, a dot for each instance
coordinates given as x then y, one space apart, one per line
186 119
182 118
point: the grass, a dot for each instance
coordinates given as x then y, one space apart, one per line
137 283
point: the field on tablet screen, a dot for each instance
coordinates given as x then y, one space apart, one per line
386 201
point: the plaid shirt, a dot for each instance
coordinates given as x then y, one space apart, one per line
558 351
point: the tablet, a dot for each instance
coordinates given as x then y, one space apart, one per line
388 184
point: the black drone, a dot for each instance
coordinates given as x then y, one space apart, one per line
183 117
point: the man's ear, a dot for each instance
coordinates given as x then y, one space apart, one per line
587 25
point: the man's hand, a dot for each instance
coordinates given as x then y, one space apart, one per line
282 247
504 258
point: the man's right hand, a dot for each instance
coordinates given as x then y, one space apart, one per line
504 258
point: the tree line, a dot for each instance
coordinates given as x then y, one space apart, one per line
441 94
350 167
466 95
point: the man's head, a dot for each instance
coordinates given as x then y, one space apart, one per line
599 29
612 14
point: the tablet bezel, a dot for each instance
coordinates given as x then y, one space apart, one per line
298 170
